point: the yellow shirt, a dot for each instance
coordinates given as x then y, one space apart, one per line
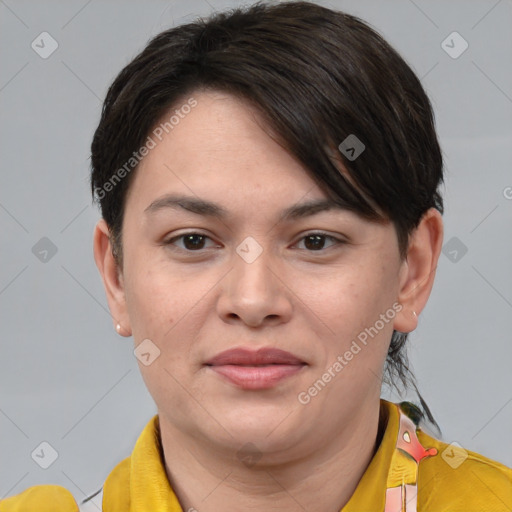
411 471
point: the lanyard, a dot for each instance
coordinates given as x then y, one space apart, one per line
402 481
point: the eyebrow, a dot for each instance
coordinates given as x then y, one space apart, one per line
210 209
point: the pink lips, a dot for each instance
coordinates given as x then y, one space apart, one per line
259 369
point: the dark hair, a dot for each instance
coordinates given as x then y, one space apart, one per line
316 76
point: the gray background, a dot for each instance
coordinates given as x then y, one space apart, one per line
68 379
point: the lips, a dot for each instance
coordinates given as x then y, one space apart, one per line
261 369
263 356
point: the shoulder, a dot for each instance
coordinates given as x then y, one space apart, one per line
43 498
459 479
55 498
116 494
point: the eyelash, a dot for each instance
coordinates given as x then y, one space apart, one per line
171 241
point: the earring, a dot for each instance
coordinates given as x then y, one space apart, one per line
414 313
118 328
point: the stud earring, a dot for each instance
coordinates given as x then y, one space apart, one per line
118 328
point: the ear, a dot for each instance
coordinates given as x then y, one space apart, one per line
112 278
418 271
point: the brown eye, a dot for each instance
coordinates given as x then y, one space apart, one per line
191 241
316 241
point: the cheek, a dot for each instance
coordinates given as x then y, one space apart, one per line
154 302
347 292
169 308
350 300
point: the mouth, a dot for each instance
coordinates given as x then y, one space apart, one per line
261 369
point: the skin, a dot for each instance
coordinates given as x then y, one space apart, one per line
193 305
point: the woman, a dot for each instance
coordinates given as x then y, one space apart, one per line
271 225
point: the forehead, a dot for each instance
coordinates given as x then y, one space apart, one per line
221 147
221 152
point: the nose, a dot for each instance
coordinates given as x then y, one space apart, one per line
255 292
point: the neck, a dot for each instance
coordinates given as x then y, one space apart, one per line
206 480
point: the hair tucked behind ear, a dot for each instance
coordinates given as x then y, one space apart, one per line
397 372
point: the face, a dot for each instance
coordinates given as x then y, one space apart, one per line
196 283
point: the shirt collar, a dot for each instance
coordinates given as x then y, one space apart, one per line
150 488
370 493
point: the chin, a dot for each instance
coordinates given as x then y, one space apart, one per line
268 428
